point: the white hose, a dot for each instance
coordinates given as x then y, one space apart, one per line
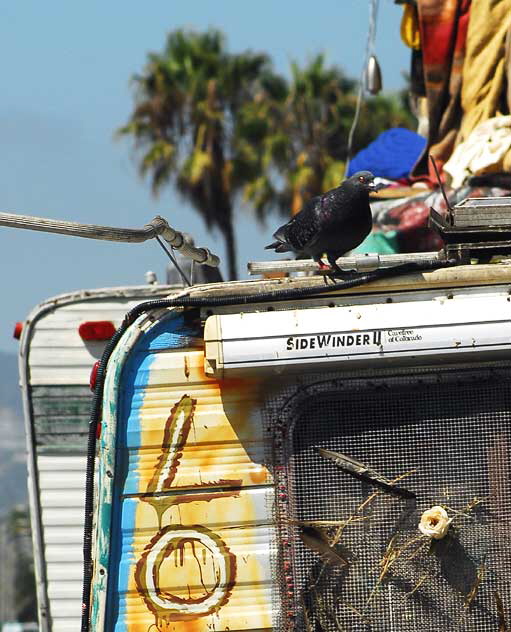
157 226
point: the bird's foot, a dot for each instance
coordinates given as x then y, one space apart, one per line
333 273
325 269
336 274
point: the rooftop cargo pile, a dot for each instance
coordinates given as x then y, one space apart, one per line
461 95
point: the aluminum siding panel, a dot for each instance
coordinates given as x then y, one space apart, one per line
61 493
57 353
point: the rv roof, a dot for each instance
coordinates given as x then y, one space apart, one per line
457 276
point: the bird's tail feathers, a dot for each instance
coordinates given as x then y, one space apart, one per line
278 246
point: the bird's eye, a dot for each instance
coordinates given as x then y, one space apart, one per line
361 178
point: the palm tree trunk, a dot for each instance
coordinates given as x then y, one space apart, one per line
230 247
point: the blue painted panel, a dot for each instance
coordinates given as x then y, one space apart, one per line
170 333
173 340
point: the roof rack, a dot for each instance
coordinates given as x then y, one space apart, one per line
358 263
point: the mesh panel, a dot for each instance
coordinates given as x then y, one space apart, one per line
453 431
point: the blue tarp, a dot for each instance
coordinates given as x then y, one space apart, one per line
392 155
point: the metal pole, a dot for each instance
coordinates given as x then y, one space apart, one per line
157 226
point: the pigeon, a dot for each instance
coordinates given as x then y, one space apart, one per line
331 224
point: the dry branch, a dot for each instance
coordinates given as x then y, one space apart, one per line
364 472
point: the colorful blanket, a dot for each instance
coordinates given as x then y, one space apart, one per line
443 28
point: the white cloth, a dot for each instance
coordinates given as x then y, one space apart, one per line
482 152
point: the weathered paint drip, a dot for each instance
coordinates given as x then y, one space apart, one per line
168 607
176 432
172 538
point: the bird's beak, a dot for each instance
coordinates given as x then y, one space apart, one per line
374 187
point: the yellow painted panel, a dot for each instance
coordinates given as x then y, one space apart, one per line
224 443
199 559
205 567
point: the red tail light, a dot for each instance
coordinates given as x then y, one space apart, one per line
94 376
96 330
18 328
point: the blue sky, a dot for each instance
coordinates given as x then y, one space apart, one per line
65 70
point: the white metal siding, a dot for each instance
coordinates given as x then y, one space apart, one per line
61 483
57 353
59 366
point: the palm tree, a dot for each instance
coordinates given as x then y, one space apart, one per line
218 124
304 137
305 133
184 123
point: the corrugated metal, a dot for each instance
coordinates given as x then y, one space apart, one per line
55 379
57 353
61 493
192 500
240 522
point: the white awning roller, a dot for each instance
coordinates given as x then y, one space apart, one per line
414 332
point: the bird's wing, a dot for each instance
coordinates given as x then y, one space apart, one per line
302 231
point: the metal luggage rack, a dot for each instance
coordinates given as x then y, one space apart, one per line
476 227
358 263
